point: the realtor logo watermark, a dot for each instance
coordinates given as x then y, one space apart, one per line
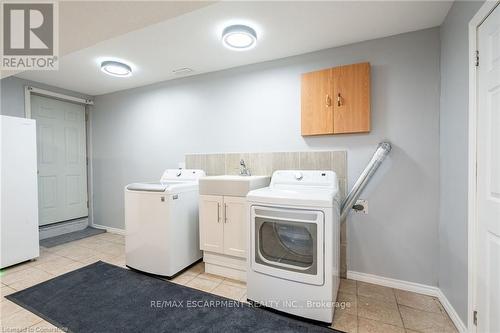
29 36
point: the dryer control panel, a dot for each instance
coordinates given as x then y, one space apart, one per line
309 178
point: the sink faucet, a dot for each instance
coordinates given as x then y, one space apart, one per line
244 171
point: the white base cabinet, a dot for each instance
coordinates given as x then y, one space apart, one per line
211 223
223 225
230 267
235 231
223 235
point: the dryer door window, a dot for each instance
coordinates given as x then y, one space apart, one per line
288 245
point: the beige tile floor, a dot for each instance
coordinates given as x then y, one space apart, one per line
365 308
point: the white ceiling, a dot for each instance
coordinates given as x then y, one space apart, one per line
96 21
192 40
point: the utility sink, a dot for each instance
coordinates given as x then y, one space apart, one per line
236 186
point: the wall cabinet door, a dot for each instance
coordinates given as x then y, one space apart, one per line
316 103
211 223
351 90
235 226
336 100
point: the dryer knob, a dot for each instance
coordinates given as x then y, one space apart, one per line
299 176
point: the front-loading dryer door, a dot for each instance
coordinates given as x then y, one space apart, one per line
288 243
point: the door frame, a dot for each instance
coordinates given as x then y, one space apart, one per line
87 103
472 222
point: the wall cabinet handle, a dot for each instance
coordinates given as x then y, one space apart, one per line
339 100
328 100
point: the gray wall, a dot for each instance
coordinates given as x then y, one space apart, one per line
137 133
12 95
453 147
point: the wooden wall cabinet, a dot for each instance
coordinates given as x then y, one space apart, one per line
336 100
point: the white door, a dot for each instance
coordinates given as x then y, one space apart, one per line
235 226
62 160
488 175
211 223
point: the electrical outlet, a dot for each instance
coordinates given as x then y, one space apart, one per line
362 206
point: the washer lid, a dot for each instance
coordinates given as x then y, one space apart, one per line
172 181
147 187
168 187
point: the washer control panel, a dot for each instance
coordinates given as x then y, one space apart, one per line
181 174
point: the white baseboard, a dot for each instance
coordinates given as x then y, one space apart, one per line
455 318
413 287
109 229
393 283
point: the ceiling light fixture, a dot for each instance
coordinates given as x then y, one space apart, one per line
239 37
116 68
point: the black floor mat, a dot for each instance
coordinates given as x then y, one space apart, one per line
70 237
106 298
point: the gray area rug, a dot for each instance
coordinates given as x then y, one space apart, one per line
70 237
106 298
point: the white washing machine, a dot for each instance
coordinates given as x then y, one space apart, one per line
294 244
161 222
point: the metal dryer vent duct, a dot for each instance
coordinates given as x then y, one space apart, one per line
378 157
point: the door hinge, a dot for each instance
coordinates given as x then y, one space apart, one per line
87 204
477 58
475 318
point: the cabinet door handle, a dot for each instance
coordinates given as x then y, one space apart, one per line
218 212
339 100
328 100
225 213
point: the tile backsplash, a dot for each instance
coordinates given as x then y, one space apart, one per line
266 163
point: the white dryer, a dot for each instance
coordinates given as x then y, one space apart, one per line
161 222
294 244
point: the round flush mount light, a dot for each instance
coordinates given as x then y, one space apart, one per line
239 37
116 68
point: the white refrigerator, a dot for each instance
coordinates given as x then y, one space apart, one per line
18 191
